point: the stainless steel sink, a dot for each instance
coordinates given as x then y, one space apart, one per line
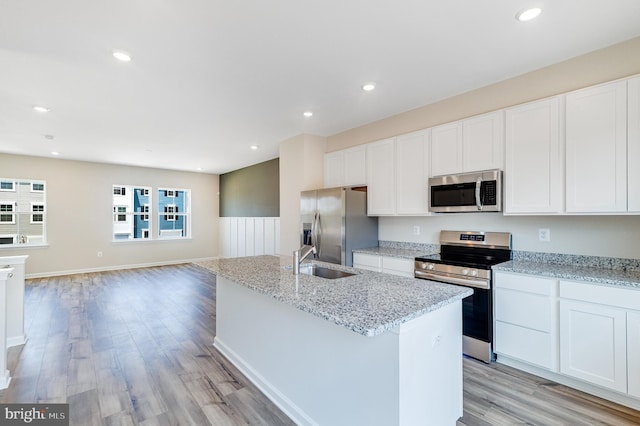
322 272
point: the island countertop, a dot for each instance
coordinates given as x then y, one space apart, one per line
368 303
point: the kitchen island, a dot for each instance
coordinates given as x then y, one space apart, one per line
368 349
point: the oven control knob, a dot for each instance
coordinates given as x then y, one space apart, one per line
431 266
474 273
465 272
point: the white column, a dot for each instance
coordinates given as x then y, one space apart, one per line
5 378
15 299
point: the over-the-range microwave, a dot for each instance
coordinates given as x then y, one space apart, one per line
466 192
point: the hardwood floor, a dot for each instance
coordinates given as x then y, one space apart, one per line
134 348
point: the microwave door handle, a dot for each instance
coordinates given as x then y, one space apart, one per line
478 201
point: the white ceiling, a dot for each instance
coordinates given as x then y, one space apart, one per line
209 78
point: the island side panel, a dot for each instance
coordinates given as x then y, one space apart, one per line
431 368
321 373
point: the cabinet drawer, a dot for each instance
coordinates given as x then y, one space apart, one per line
535 285
366 260
600 294
528 345
398 264
533 311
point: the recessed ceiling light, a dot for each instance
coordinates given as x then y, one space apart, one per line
528 14
199 169
121 55
41 108
49 137
56 153
308 114
367 87
254 147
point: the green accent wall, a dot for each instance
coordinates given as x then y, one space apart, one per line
251 192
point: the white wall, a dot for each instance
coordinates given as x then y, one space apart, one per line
80 217
610 236
301 168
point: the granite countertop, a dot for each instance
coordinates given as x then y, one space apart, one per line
368 303
590 274
397 252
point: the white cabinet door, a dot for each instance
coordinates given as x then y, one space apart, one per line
533 163
596 149
412 174
355 172
334 167
593 344
633 353
483 142
381 178
446 149
633 145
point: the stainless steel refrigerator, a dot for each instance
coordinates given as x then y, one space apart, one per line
335 221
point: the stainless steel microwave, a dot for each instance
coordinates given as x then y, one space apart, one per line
466 192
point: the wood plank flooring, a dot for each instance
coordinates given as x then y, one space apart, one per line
134 347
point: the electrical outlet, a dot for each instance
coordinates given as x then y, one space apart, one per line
436 340
544 234
99 254
416 230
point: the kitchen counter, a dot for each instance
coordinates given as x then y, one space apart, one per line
395 252
590 274
378 349
368 303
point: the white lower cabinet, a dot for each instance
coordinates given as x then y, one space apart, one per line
526 319
370 262
593 343
387 264
581 334
633 353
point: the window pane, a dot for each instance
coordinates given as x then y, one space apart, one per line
22 211
131 208
173 213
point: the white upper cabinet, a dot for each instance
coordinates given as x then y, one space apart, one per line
381 178
483 142
596 149
346 167
469 145
398 175
446 149
412 174
633 145
533 160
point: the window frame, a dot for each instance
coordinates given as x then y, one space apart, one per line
37 212
179 213
11 212
11 181
23 231
138 224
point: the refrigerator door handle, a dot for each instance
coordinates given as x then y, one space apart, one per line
316 233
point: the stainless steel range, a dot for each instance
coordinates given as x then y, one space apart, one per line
465 259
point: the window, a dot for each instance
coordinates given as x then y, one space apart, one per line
131 212
6 213
37 216
120 213
7 185
174 210
23 212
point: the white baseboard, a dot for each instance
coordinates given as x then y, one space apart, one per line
114 268
278 398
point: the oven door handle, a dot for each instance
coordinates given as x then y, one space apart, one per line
453 280
478 200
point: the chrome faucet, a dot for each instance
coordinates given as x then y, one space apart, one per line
300 255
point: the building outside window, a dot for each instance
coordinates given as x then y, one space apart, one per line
23 213
174 210
131 216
